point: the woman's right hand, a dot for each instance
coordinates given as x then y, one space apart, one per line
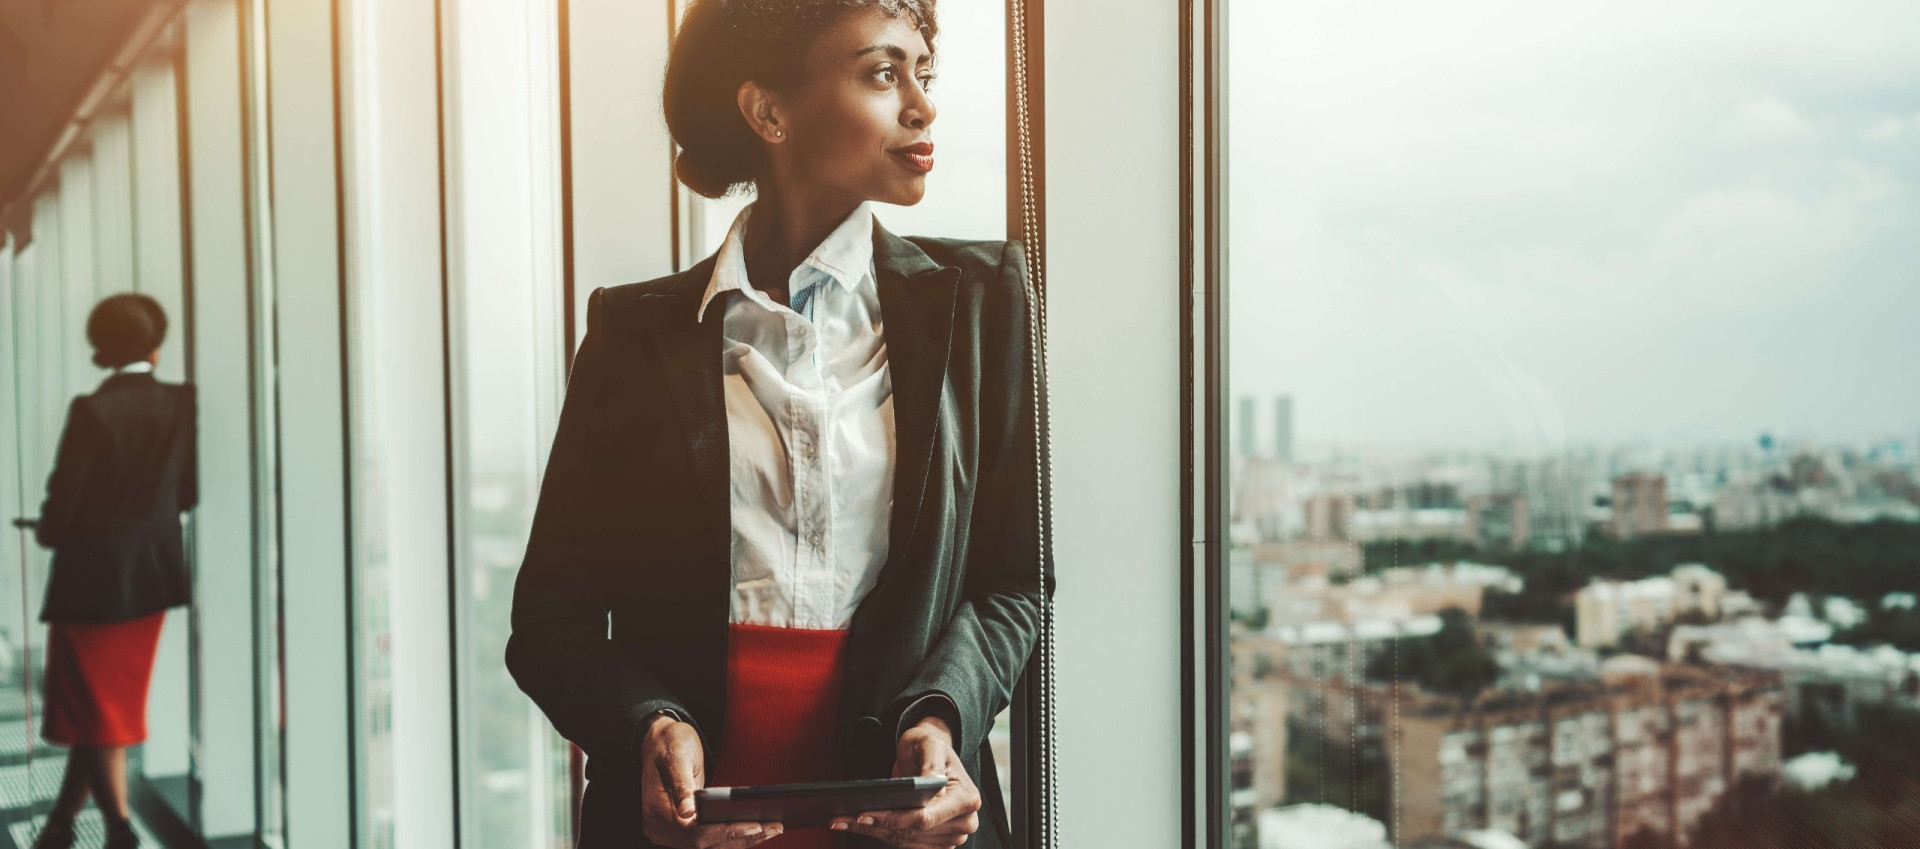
672 767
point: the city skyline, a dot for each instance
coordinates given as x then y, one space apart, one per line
1309 447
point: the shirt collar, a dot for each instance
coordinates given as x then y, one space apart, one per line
137 367
844 257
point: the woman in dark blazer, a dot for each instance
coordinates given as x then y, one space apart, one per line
791 525
123 476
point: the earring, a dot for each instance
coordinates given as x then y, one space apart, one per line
779 134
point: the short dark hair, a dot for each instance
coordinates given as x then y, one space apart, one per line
723 43
125 328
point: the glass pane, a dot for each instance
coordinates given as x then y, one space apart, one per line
1575 494
397 380
21 561
508 373
159 272
113 219
44 396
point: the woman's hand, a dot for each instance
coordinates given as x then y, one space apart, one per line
673 765
948 818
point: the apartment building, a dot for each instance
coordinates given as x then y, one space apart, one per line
1585 765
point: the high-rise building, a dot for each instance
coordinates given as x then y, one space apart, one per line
1329 516
1260 488
1499 521
1244 439
1283 428
1257 740
1639 505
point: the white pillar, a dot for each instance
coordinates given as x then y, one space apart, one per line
1113 303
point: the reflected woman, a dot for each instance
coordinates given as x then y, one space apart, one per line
123 475
791 523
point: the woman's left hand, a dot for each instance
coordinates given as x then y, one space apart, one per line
948 818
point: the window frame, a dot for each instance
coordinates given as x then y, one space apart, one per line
1205 653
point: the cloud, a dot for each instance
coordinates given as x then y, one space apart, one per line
1891 128
1592 219
1771 117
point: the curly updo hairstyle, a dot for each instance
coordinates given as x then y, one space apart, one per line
723 43
124 329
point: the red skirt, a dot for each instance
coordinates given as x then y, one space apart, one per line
783 694
97 677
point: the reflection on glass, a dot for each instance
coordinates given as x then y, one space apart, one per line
22 754
156 268
1576 471
86 230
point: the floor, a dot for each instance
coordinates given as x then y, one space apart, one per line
26 790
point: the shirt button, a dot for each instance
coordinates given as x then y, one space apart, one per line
818 539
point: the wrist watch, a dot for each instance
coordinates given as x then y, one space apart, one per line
669 713
640 731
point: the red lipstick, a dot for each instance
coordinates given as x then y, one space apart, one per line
918 157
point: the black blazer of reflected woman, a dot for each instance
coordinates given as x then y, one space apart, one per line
621 605
123 475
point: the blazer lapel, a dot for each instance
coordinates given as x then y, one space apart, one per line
689 352
917 298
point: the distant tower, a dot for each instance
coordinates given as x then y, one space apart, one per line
1639 505
1246 427
1283 428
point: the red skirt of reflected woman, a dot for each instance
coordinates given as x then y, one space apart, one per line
783 694
96 681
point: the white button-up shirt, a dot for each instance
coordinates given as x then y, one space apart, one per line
810 430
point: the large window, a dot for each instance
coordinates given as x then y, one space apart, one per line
505 320
1574 459
102 217
373 226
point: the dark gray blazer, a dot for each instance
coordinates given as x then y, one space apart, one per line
124 474
621 605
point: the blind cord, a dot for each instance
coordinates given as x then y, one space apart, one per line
1049 799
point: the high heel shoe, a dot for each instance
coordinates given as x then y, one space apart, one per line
120 835
55 834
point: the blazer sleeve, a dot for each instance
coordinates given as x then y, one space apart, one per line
595 692
82 441
985 647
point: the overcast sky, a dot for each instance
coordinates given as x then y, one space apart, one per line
1508 221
